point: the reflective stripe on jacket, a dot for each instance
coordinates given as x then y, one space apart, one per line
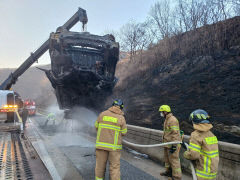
203 148
51 116
110 125
171 129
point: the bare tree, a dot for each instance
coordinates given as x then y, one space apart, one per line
112 32
134 37
194 13
221 10
161 15
146 37
190 14
167 20
236 7
184 15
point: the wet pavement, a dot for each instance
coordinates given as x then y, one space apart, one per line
69 151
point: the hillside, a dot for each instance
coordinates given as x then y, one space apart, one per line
197 69
32 84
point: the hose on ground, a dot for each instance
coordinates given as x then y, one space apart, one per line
191 165
152 145
161 145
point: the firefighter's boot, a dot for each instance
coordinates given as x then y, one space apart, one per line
168 172
174 178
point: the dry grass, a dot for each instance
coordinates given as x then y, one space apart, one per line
203 41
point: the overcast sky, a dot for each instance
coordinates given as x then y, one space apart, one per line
25 24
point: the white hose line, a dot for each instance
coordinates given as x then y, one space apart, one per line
191 165
152 145
164 144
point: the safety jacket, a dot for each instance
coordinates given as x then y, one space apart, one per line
111 126
51 116
171 129
203 147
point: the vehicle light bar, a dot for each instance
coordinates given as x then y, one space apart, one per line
10 106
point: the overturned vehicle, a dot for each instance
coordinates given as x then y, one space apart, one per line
82 66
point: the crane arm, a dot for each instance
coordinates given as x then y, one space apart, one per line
80 15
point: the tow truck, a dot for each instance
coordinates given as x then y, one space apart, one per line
11 106
7 105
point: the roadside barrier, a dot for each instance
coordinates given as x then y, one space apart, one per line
162 145
229 153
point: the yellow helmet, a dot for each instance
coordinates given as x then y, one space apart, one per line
165 108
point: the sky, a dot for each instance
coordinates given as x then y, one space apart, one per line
26 24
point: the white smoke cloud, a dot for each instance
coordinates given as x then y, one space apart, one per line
73 129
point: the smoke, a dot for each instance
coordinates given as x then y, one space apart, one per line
76 130
55 109
69 134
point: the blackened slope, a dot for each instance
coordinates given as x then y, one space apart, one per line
201 70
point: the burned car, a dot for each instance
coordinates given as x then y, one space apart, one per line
82 66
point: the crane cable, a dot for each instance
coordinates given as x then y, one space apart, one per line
161 145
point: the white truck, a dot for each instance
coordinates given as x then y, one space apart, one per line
7 105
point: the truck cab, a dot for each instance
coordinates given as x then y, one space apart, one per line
9 103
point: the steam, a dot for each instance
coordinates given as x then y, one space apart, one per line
72 131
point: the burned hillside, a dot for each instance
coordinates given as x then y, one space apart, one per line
196 69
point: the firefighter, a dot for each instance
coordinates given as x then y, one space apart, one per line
110 126
50 117
203 146
24 117
171 152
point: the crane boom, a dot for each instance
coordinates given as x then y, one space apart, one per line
80 15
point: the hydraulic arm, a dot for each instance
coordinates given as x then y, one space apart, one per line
80 15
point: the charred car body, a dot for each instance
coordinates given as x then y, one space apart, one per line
82 66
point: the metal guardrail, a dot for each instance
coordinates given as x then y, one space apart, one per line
229 153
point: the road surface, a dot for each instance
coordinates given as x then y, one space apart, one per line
67 148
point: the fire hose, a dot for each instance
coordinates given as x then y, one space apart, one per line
191 165
162 145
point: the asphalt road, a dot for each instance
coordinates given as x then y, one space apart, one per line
67 150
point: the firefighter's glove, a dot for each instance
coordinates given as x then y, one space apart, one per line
184 145
173 149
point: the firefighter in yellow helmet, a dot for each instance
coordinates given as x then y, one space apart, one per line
111 126
171 152
203 146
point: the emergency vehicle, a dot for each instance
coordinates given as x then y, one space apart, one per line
8 105
30 105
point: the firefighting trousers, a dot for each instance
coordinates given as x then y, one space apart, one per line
113 157
172 161
200 178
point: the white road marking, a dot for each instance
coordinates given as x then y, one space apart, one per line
43 154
